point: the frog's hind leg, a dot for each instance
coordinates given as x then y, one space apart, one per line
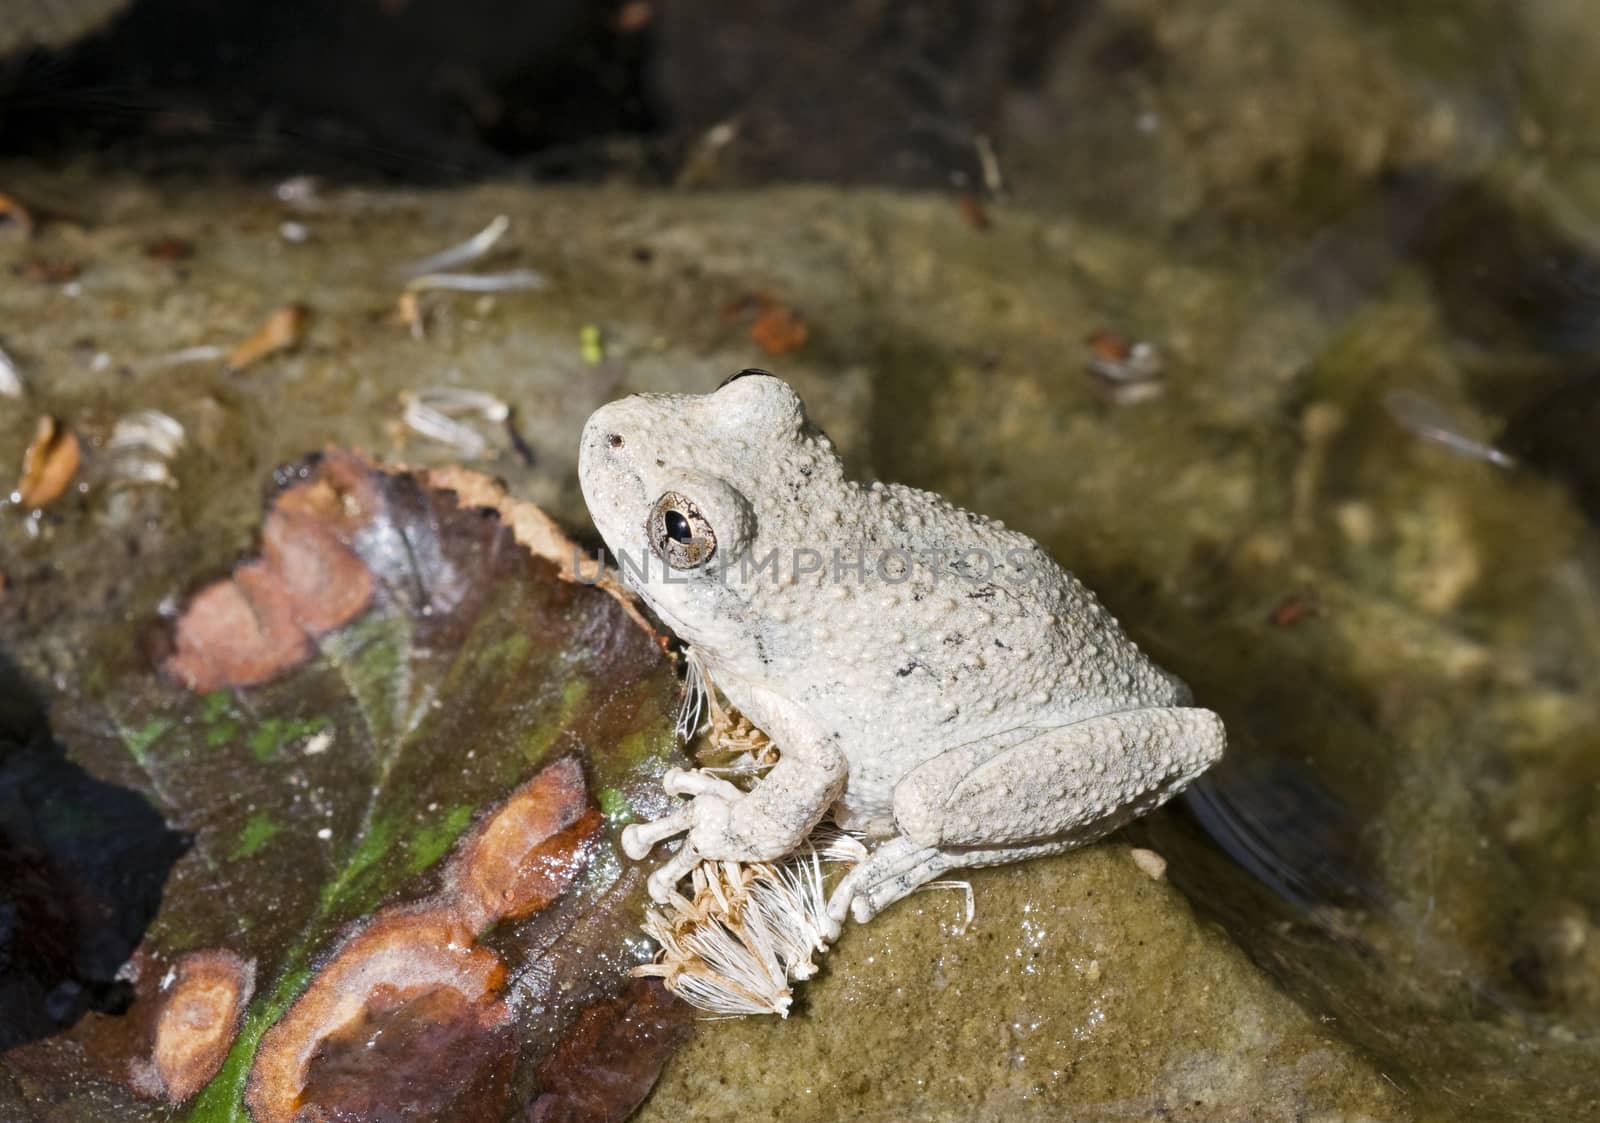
997 801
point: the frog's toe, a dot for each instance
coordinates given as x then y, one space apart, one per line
683 781
640 838
894 870
663 883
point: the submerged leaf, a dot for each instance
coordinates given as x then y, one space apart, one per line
401 743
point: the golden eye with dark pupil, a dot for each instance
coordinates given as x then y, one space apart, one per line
678 533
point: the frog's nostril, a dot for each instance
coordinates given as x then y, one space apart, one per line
614 440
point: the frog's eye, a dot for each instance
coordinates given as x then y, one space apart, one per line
678 533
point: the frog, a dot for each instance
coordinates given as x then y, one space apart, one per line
930 678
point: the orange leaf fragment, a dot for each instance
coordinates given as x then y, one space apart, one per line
198 1019
281 331
528 852
15 219
777 330
48 465
247 629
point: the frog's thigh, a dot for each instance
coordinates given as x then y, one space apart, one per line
1074 781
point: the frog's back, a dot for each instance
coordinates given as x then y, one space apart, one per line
957 627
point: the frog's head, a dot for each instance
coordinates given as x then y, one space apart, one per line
684 486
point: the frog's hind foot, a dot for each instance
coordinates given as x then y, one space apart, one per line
901 866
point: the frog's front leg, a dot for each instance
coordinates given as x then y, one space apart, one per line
1002 800
722 823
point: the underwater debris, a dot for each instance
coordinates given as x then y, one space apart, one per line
411 315
748 931
142 444
700 165
281 331
1423 417
1132 370
48 465
11 384
203 353
436 413
512 280
462 253
303 191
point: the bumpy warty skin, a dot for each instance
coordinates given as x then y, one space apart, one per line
894 671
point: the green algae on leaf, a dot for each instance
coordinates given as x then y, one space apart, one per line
384 739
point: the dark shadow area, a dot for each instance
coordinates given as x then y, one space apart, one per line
425 90
444 91
82 866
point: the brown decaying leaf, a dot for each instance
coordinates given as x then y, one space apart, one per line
195 1025
778 330
611 1056
249 628
536 532
411 1012
15 219
48 465
526 854
519 859
402 952
281 331
367 1070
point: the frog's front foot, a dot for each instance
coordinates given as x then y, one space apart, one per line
724 824
717 824
707 812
